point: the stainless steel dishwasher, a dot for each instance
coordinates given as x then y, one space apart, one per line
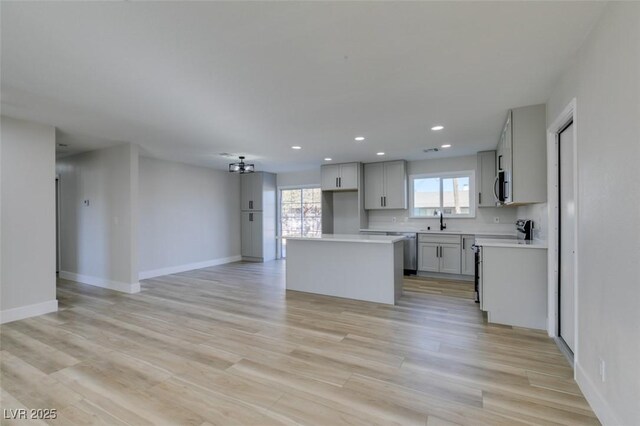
410 251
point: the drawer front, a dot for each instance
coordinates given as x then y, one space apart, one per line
444 239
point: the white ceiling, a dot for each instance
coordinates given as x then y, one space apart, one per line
187 81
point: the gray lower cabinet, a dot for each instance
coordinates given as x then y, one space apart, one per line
252 235
450 258
428 259
439 253
468 256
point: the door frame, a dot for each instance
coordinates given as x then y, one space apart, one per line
559 124
278 211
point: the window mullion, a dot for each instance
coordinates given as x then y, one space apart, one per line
441 197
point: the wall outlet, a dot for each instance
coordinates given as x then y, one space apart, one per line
603 370
496 219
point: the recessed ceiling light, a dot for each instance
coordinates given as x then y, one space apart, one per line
296 147
328 159
380 153
359 138
437 128
446 146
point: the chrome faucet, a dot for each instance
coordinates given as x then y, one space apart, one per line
443 225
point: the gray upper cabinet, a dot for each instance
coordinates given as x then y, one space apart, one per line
340 177
485 179
373 186
522 155
385 185
251 191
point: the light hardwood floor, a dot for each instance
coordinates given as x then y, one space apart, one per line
228 345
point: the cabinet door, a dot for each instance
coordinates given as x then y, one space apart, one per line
395 185
329 177
485 178
428 260
508 160
256 185
257 238
246 246
349 176
373 185
246 191
450 258
468 256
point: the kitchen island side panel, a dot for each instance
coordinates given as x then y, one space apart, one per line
353 270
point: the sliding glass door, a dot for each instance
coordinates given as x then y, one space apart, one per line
300 214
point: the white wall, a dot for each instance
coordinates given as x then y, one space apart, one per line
189 217
307 177
28 275
98 242
605 80
484 216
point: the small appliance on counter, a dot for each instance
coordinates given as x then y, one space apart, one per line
525 229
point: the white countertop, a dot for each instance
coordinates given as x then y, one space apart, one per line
438 232
491 242
351 238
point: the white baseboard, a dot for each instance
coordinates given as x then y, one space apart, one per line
15 314
101 282
187 267
597 402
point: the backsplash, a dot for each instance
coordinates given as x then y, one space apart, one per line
539 214
484 220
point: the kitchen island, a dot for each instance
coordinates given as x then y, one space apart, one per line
361 267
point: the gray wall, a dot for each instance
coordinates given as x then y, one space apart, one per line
27 164
605 80
188 214
98 242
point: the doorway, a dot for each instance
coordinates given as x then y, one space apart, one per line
300 214
566 236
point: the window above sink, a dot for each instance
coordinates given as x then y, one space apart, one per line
450 193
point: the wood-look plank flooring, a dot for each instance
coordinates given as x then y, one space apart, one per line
228 345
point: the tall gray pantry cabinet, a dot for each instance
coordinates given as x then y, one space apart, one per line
258 216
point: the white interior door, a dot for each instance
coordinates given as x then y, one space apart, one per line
567 237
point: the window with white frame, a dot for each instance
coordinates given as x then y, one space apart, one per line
450 193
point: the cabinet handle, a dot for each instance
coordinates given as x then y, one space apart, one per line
384 201
499 162
479 197
337 183
250 217
340 182
463 240
381 202
250 204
